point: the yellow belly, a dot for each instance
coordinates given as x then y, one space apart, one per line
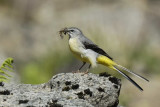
76 49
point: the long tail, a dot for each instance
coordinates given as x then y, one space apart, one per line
127 77
137 75
111 64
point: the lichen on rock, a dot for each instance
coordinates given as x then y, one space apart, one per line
64 90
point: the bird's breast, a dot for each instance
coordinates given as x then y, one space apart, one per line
77 49
75 45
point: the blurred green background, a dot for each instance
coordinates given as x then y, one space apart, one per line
129 31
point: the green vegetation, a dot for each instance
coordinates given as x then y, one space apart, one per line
6 65
42 69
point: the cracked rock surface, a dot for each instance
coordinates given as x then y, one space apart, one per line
64 90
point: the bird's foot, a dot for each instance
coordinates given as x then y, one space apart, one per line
76 71
85 72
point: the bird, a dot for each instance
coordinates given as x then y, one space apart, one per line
88 52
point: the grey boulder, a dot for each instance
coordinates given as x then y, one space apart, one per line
64 90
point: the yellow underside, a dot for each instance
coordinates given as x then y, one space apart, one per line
74 47
106 61
84 59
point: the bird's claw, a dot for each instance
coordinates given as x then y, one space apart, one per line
86 72
76 71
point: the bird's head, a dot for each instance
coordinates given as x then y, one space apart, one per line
71 31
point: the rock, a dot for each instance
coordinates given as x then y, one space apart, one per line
64 90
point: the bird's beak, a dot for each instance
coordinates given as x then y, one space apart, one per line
63 31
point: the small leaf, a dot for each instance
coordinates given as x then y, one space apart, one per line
2 77
1 71
7 68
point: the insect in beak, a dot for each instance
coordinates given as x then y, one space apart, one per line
63 32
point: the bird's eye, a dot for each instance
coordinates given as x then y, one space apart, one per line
72 30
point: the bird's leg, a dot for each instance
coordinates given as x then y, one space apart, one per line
86 72
80 68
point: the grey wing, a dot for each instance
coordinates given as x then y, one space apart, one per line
88 44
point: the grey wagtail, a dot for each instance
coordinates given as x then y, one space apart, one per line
88 52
